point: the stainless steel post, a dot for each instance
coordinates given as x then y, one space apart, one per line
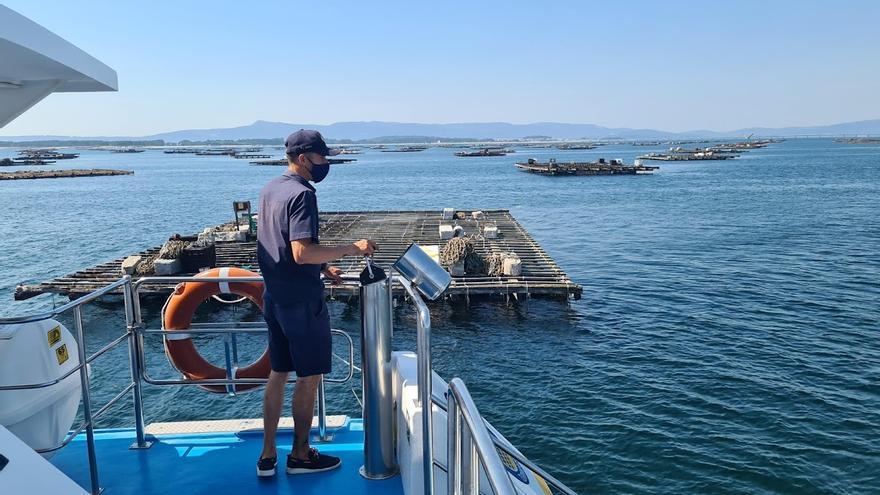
423 353
234 341
453 449
322 413
87 401
419 271
478 447
227 344
136 392
376 328
470 459
423 350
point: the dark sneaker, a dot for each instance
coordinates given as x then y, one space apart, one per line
316 463
266 467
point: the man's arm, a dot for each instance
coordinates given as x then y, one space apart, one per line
305 252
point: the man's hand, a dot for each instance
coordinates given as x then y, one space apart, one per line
364 247
334 274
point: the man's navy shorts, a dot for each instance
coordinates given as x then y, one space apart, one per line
299 336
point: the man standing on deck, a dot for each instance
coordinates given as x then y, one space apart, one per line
292 261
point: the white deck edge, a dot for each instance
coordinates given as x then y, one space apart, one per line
231 425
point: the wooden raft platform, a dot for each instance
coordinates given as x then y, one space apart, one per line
687 156
394 231
58 174
601 167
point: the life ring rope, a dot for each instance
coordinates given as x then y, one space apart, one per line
224 301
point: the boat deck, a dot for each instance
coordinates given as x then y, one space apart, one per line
216 463
394 231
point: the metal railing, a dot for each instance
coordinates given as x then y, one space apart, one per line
426 396
424 382
134 334
470 446
503 446
89 417
229 330
468 432
230 343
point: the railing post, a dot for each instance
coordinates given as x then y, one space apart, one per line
378 414
418 269
472 461
230 370
134 362
423 356
87 401
477 446
322 413
453 450
424 385
234 341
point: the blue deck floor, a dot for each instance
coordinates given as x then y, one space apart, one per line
216 464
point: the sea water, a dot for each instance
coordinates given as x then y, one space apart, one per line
727 339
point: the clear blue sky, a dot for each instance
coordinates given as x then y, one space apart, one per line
665 65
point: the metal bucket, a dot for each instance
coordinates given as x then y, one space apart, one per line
425 274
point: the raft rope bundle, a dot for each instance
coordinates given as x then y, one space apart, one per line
495 264
170 250
462 249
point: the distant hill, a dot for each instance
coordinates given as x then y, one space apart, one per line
371 130
378 131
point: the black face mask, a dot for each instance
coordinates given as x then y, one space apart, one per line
319 171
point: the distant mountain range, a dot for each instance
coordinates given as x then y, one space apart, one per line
485 130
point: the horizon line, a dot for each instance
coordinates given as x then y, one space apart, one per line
275 122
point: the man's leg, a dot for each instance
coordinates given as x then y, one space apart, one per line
303 411
273 399
311 352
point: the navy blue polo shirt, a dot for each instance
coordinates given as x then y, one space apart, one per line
288 212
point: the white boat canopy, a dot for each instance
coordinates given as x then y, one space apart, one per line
35 62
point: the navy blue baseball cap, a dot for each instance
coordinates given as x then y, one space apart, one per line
305 141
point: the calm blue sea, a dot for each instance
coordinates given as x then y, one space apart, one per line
728 340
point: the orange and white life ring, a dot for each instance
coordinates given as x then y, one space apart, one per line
178 315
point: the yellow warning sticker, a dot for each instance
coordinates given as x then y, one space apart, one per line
61 354
54 335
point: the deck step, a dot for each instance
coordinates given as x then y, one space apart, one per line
231 425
